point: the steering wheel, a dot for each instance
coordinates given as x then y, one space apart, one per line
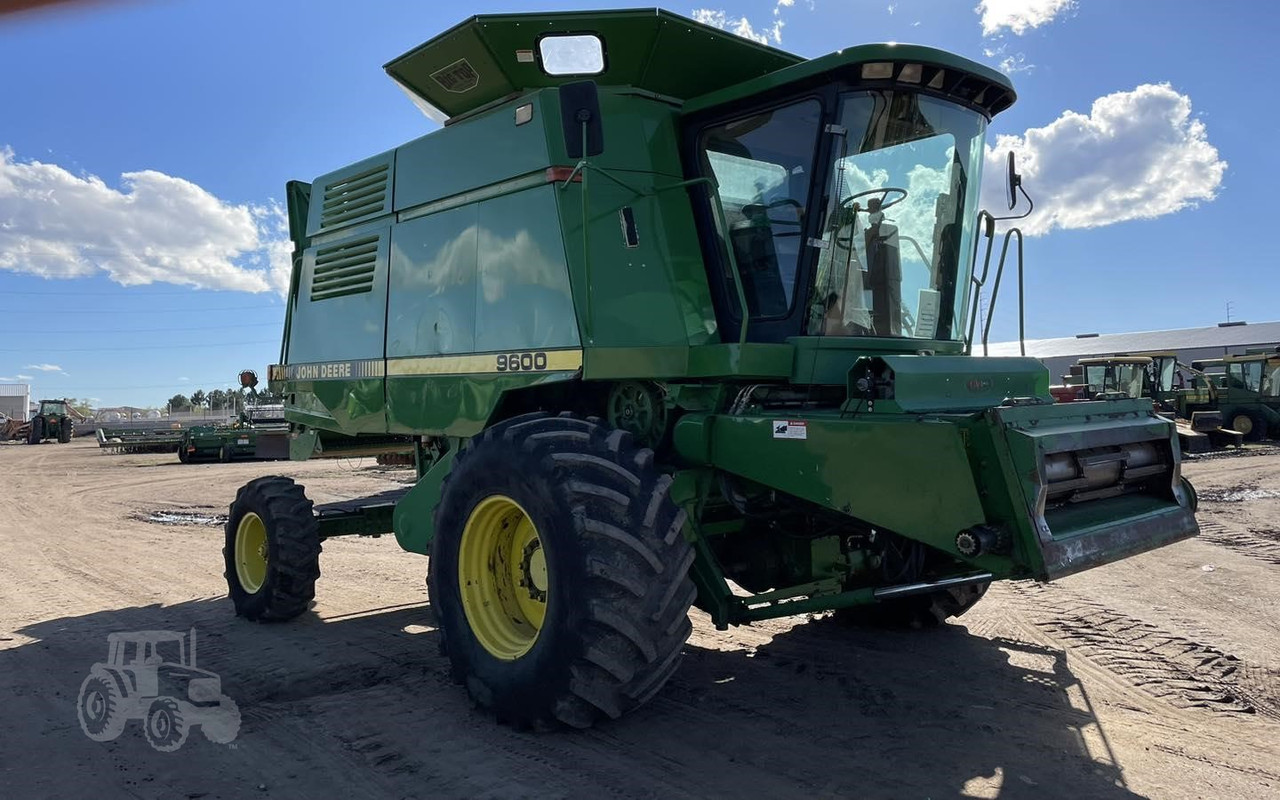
884 204
754 208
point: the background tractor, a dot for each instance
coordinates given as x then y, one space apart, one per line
152 676
1154 376
1245 389
671 317
51 421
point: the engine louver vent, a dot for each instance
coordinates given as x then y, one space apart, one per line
345 269
354 197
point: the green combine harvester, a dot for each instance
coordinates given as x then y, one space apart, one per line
671 318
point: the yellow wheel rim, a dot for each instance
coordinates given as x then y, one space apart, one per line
502 576
251 552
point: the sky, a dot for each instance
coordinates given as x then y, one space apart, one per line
145 145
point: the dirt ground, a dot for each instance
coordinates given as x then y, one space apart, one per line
1158 676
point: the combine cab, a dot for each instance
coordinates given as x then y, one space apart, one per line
668 318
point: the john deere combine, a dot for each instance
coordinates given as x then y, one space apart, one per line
670 317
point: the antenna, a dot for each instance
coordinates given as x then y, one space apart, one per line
1228 311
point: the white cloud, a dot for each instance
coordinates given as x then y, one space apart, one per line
26 377
1019 16
44 367
1136 155
742 26
153 228
1011 63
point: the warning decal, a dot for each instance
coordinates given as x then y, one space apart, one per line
790 429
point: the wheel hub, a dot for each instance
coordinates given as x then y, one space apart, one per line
252 553
533 568
503 577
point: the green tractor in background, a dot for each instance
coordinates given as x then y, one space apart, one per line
52 421
668 317
1245 389
1154 375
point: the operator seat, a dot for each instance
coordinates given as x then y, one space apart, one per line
757 257
884 273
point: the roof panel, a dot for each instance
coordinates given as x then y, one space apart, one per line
491 56
1259 335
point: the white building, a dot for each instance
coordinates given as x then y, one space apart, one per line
1224 339
15 400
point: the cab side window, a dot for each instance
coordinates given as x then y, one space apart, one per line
762 165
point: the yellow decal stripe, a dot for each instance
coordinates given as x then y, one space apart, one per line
514 362
509 362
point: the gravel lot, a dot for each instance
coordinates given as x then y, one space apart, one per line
1157 676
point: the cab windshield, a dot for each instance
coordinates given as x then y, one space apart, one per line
53 408
1131 379
903 188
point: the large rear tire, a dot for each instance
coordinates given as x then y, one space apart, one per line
36 434
1251 424
65 428
272 550
559 572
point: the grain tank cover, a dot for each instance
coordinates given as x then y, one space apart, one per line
493 56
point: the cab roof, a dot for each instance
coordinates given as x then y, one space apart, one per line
1093 362
493 56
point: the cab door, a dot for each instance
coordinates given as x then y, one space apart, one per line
762 162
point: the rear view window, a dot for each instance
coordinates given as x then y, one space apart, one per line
572 54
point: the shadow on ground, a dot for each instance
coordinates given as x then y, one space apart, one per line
361 705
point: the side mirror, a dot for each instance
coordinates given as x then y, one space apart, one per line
579 114
1012 182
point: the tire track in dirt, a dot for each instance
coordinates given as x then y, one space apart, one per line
1178 670
1260 543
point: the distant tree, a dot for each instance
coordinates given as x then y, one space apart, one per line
197 398
179 402
217 399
